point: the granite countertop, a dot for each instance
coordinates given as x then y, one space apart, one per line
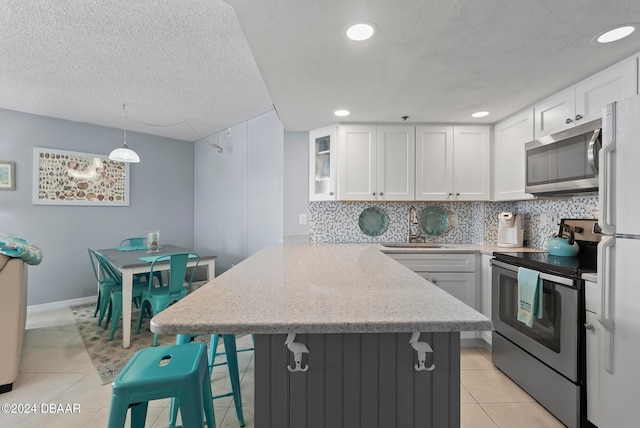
318 288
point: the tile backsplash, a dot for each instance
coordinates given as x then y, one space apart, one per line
470 222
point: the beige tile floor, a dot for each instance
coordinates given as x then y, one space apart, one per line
56 369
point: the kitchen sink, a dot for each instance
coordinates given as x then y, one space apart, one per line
413 245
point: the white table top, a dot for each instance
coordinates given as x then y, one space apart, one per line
318 288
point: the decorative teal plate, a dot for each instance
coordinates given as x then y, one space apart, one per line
373 221
434 220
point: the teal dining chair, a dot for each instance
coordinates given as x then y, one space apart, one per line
134 242
105 285
140 243
156 299
115 299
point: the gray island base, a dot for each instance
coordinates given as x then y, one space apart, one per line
357 381
359 322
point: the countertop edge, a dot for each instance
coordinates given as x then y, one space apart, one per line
193 317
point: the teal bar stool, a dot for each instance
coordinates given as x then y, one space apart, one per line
179 371
232 365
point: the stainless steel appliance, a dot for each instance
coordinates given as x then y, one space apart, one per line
564 163
548 359
510 232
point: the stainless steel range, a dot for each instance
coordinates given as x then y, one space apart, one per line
547 359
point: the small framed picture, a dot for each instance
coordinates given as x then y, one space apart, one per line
7 175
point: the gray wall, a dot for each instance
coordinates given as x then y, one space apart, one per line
296 182
161 198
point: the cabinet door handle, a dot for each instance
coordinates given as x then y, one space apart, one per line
331 193
588 326
374 193
458 194
381 193
568 120
578 116
450 194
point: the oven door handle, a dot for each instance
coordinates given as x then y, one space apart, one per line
545 276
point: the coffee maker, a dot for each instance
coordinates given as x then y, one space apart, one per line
510 231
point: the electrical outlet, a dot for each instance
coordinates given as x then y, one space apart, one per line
543 219
553 219
302 219
453 219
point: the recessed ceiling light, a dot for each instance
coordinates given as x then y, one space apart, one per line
480 114
359 32
615 34
342 112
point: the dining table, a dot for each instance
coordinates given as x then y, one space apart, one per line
134 260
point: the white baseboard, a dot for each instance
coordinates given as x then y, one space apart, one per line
58 305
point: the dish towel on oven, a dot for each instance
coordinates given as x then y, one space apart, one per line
529 296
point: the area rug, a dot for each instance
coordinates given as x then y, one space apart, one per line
108 356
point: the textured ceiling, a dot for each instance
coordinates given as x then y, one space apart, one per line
180 64
177 64
435 61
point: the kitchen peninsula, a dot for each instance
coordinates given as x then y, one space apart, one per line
355 310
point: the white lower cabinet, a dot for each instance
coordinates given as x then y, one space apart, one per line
594 333
593 362
454 273
485 293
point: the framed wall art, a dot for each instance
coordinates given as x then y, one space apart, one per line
7 175
62 177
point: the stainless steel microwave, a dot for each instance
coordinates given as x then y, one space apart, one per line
565 163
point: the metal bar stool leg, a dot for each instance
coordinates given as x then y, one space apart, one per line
230 348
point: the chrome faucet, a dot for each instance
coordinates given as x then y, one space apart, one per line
413 219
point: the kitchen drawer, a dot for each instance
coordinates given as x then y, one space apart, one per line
459 285
439 262
592 296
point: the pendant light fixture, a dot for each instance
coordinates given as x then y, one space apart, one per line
124 153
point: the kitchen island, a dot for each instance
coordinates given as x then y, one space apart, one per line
355 310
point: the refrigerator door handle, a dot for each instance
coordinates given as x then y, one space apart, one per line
604 178
605 262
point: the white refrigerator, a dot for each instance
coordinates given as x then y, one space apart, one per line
619 266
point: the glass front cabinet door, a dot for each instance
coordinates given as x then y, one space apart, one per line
322 164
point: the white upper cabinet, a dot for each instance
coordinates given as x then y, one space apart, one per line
395 172
453 163
584 101
434 163
509 139
613 84
376 163
471 163
555 113
322 164
357 152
